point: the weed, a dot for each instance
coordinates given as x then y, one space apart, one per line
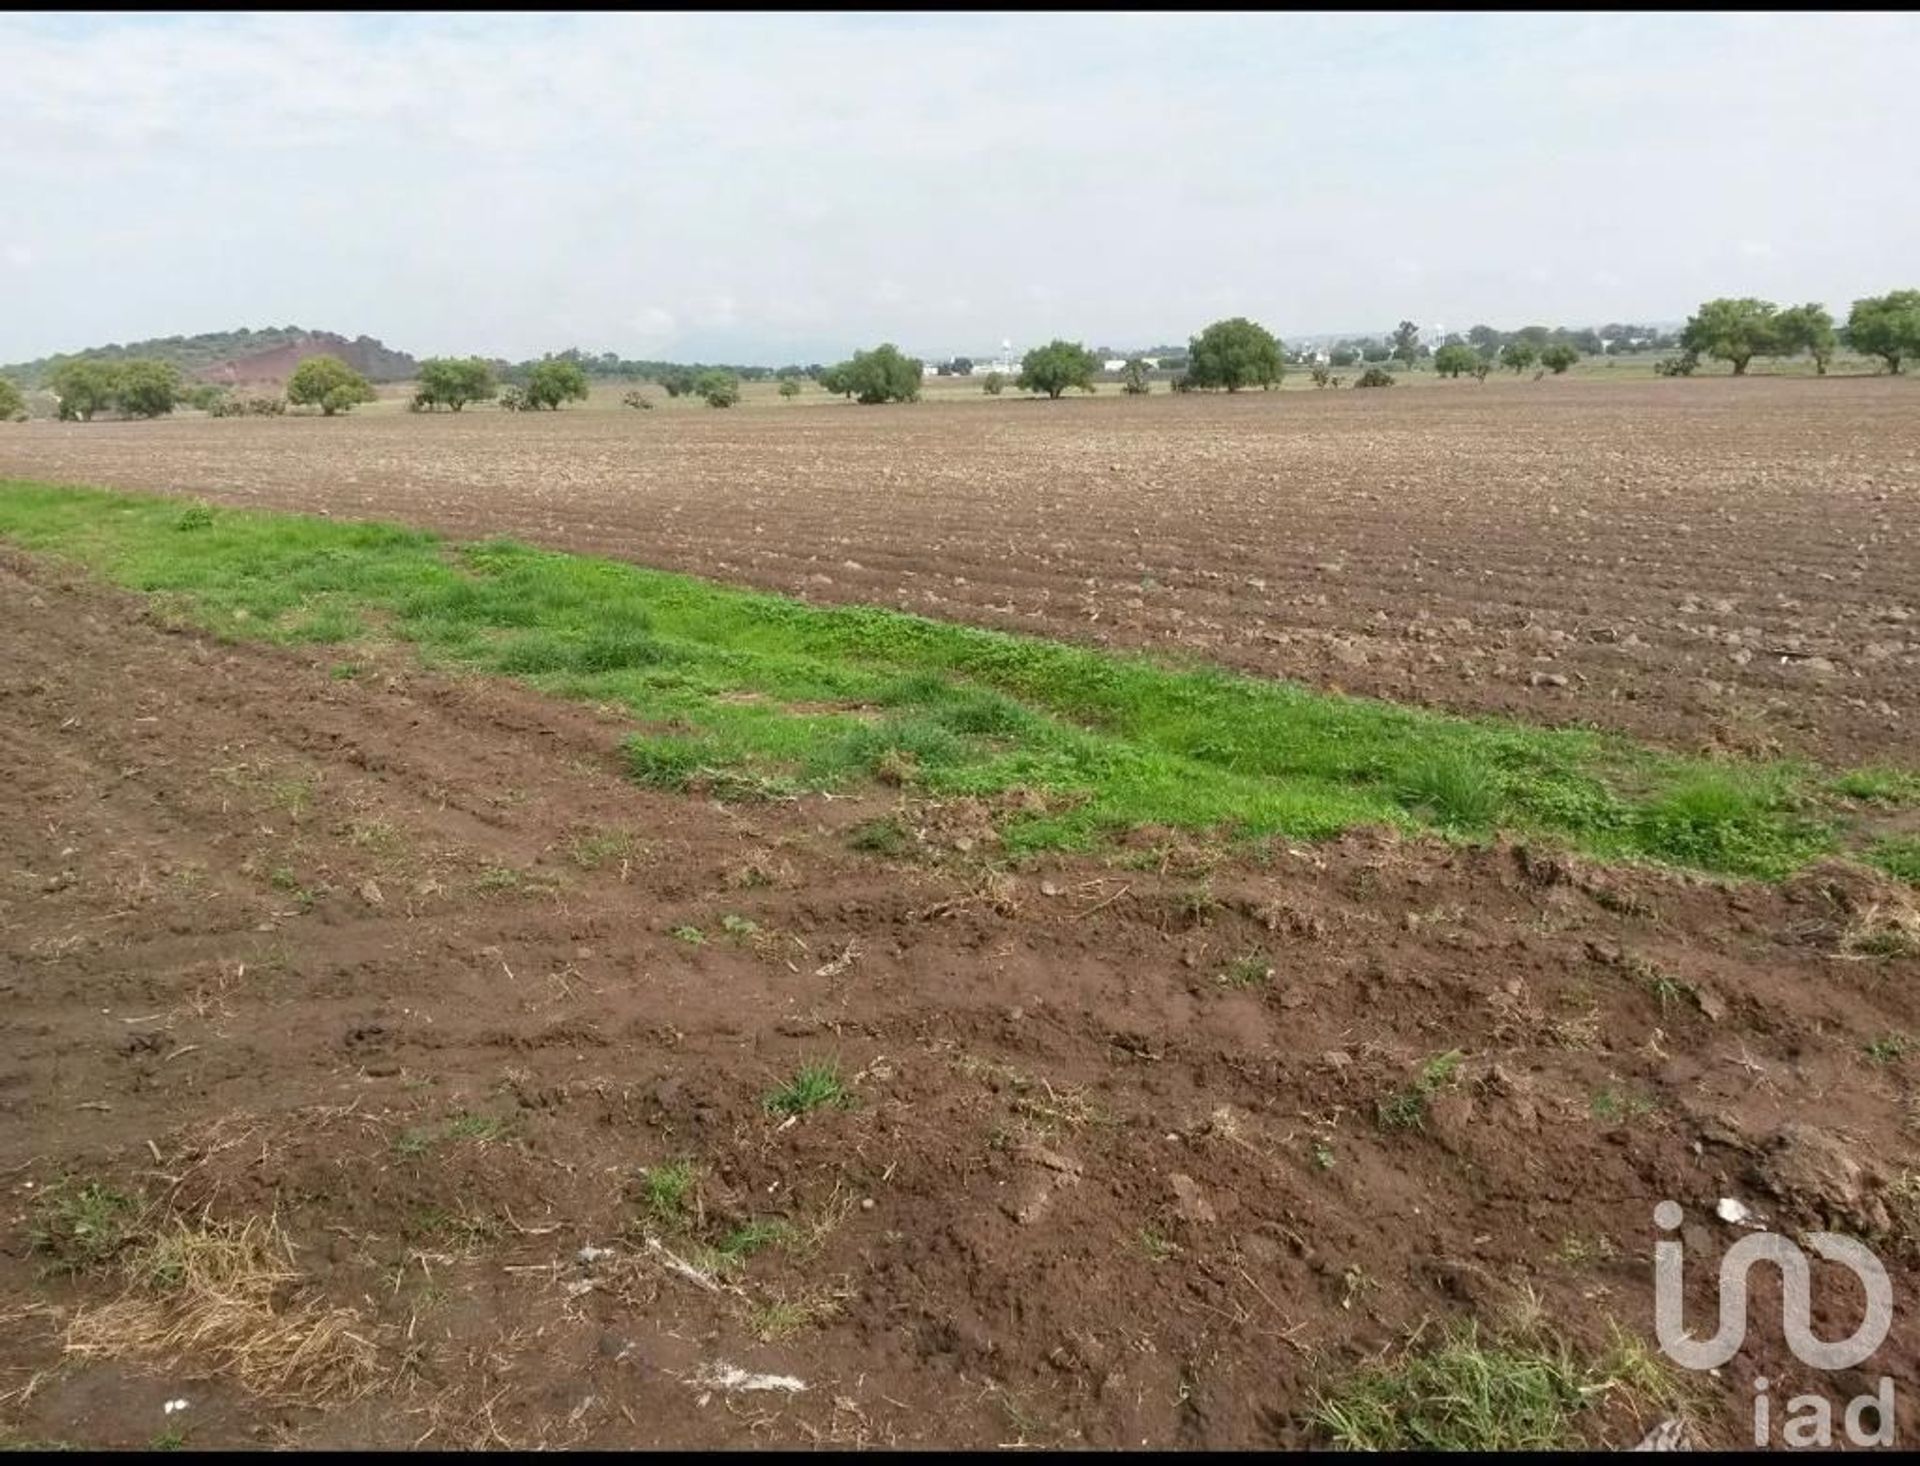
1891 1048
1322 1154
812 1086
1454 790
691 935
752 1237
1612 1106
81 1226
1578 1252
172 1438
1250 969
592 849
481 1128
344 671
194 516
1887 786
1157 1247
1462 1394
500 878
740 928
1406 1109
782 1318
669 1191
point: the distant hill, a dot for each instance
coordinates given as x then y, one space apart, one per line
238 357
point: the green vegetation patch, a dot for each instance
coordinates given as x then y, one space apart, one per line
743 696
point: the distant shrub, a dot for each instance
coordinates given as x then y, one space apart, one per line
552 382
1558 357
1057 366
637 399
995 384
789 387
83 388
1322 376
1374 376
717 388
328 383
1676 366
1133 378
203 395
13 407
453 382
512 399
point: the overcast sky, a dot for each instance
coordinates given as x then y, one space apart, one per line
761 188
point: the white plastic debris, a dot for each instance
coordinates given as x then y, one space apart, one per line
735 1380
1735 1212
173 1405
587 1256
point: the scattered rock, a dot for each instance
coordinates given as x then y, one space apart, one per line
1189 1202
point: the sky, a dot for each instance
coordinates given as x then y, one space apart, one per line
765 188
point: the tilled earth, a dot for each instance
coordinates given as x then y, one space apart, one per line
1719 564
402 965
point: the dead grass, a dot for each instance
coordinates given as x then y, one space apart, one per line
231 1294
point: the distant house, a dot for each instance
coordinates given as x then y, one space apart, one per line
1114 364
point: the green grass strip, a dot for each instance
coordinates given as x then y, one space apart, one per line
743 693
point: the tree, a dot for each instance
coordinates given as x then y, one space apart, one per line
1376 351
206 397
1886 326
1233 354
1057 366
1322 376
1732 330
328 383
1406 343
1453 359
1807 328
837 379
554 381
13 407
453 382
1375 376
146 388
1485 338
1133 378
1480 370
961 366
789 387
1558 357
83 387
1343 356
678 381
883 374
994 384
717 388
1517 356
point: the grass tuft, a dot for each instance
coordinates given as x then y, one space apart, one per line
813 1086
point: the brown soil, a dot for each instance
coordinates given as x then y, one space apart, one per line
268 933
1721 564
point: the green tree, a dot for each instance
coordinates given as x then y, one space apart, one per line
1375 376
994 383
678 382
453 382
1343 356
328 383
1517 356
1451 361
1233 354
883 374
1406 343
207 397
1732 330
1133 378
13 406
1886 326
717 388
789 387
143 387
554 381
1558 357
1376 351
1057 366
1807 328
83 387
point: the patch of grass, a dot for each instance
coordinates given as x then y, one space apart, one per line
668 1191
1406 1109
880 837
172 1438
1462 1393
782 1318
591 849
812 1086
691 935
1249 970
1898 856
1157 1246
481 1129
740 928
1322 1155
1889 1049
344 671
1453 790
1613 1106
753 696
752 1237
1880 785
82 1225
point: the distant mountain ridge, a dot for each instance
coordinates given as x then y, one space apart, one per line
243 356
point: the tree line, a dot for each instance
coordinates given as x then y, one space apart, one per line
1230 355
